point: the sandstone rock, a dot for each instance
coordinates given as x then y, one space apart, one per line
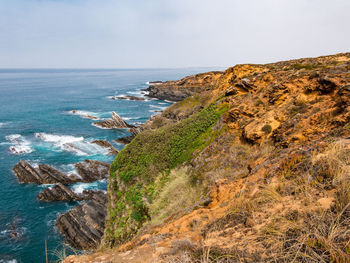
104 143
92 170
83 226
231 91
115 122
245 84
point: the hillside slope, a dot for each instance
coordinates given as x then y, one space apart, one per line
253 168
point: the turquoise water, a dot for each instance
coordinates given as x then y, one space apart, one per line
35 120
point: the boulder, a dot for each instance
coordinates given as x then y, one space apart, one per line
115 122
83 226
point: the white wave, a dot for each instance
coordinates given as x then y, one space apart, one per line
19 145
80 187
158 107
2 124
58 139
8 261
69 143
85 114
162 103
135 92
103 128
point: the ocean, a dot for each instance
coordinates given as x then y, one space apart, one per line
36 122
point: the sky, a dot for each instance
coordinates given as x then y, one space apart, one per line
168 33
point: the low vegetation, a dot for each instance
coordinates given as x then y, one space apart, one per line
153 154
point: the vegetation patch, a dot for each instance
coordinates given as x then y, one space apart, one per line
154 152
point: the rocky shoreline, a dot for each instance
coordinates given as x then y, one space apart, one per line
83 226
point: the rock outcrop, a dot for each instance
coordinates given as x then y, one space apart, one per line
105 144
181 89
92 170
115 122
89 171
83 225
60 192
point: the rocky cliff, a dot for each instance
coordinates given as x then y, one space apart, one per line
253 166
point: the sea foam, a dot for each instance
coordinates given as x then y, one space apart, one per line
19 144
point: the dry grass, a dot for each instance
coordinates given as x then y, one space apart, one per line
177 193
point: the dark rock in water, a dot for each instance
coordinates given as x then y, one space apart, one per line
128 98
59 192
51 175
105 144
27 173
115 122
125 140
88 170
83 226
92 170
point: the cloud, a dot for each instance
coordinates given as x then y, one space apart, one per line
167 33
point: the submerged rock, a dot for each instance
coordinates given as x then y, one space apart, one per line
115 122
59 192
83 226
105 144
92 170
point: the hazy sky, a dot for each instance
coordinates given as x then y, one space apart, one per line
168 33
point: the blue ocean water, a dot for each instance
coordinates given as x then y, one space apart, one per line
36 122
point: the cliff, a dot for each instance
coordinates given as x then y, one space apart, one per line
253 166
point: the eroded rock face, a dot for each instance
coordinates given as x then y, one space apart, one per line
92 170
105 144
181 89
115 122
83 226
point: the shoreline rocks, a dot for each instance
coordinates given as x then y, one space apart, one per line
115 122
105 144
92 170
89 171
128 97
83 226
60 192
